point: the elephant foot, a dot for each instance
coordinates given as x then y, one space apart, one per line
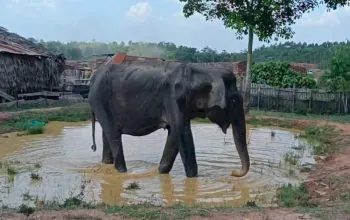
107 161
164 169
120 168
191 172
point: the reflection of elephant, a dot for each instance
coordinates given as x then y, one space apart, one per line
139 98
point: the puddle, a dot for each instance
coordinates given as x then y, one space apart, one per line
67 163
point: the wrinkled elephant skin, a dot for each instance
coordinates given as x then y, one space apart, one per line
140 98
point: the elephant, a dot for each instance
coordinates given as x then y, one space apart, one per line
141 97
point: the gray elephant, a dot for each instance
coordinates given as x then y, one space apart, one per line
140 98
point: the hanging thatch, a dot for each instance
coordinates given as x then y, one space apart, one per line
23 69
25 74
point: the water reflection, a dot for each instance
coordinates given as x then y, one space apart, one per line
67 162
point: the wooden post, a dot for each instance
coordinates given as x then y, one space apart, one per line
339 103
259 97
278 98
293 104
310 100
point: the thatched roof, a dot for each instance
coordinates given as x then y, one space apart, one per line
24 68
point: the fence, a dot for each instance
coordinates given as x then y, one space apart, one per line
297 100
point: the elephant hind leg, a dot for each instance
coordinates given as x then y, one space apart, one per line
116 147
107 156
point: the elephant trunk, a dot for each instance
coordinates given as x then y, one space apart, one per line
239 136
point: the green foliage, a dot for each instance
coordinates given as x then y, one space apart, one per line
26 210
35 130
279 74
23 122
319 54
292 196
267 18
338 78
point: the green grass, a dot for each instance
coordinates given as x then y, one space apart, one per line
22 122
148 211
322 139
293 196
35 130
26 210
291 158
335 117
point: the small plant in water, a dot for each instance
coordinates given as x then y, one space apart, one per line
11 171
133 185
251 204
35 176
37 166
26 196
291 158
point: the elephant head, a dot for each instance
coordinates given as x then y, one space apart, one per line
213 94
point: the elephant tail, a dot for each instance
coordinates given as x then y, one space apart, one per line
93 120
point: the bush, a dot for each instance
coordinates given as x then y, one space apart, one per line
279 74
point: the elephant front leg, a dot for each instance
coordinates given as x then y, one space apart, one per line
169 155
107 156
180 140
187 151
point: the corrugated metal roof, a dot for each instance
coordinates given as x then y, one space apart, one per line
14 48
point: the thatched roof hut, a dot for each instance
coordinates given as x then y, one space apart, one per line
24 67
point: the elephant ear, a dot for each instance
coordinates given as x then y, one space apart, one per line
206 91
217 95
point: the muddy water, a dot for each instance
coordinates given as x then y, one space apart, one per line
68 167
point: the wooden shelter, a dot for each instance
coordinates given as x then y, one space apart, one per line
25 68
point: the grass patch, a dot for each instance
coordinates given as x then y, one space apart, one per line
334 117
148 211
35 130
322 139
23 121
26 210
293 196
35 176
291 158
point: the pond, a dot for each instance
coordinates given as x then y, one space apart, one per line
66 166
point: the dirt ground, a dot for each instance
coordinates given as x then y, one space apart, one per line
326 183
271 214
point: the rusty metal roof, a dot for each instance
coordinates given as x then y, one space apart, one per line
14 48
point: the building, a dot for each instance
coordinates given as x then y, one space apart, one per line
24 68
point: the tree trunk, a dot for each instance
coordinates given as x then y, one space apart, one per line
247 80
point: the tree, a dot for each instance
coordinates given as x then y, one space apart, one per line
265 18
338 78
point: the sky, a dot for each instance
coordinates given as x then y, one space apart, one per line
149 21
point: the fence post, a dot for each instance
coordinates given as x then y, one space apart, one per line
278 98
259 97
339 103
293 104
310 101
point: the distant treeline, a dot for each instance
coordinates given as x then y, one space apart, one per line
320 54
